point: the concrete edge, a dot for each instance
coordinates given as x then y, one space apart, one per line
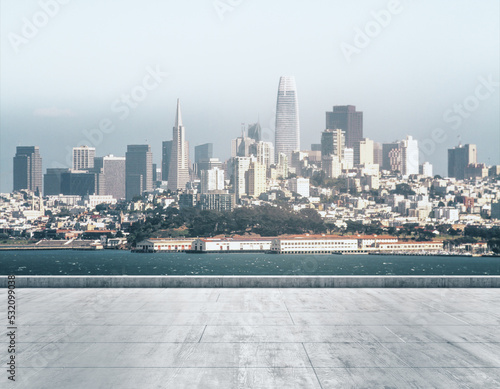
253 282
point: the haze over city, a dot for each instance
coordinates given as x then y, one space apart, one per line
223 60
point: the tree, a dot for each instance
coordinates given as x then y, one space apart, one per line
403 189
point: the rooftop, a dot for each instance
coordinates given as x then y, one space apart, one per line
259 338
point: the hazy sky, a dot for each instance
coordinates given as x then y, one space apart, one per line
425 68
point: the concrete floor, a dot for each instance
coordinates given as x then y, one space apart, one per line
255 338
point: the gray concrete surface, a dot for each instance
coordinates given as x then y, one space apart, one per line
254 281
255 338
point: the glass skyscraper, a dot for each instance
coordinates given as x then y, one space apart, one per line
28 169
287 136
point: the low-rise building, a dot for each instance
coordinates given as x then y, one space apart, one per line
152 245
235 244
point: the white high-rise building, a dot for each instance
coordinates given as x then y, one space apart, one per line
363 152
300 186
240 167
264 152
409 156
178 175
212 179
287 135
348 161
426 169
255 178
83 157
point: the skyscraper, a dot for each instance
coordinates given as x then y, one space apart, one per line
255 178
287 138
240 167
203 152
348 119
333 143
211 180
52 181
27 168
388 155
113 170
264 151
178 175
458 158
83 157
166 152
255 132
138 170
409 156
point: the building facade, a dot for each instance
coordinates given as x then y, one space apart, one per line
287 129
458 158
347 119
83 157
178 175
138 170
27 169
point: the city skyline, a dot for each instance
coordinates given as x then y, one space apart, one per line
437 87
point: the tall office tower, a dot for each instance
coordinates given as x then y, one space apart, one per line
111 176
203 152
264 152
333 143
27 169
377 154
363 152
458 158
255 132
153 173
166 152
255 178
240 167
78 183
178 175
52 181
83 157
348 119
138 170
409 156
211 180
387 163
287 132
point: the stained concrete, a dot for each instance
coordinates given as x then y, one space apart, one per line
254 282
255 338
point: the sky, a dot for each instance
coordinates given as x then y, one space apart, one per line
108 73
